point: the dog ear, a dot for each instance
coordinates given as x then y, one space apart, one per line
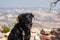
20 17
32 15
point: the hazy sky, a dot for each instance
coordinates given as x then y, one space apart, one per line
26 3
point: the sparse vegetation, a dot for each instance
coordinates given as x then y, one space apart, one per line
5 29
17 19
13 23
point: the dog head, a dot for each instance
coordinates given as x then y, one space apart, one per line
26 19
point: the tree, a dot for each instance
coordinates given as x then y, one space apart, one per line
53 4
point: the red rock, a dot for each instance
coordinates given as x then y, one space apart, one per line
45 37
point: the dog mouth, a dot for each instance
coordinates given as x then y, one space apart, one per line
30 27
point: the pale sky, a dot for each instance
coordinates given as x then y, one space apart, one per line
26 3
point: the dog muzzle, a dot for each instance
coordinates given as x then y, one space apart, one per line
30 27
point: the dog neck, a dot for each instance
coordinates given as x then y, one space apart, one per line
23 30
23 27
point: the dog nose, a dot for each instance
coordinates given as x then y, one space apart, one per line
31 24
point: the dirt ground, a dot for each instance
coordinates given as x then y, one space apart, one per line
34 31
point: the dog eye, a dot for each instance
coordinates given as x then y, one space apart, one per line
29 16
26 18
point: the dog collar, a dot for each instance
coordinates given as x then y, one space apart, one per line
22 31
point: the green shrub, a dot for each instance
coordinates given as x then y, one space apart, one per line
13 23
5 29
17 19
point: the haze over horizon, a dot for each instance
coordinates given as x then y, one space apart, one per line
27 4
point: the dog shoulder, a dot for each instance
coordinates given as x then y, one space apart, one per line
15 28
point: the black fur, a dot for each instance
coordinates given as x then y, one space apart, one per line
25 22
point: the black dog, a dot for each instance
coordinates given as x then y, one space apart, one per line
21 30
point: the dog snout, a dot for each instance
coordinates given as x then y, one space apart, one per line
31 24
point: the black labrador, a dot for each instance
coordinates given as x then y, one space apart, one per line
21 30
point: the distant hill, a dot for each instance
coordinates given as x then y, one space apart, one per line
42 18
